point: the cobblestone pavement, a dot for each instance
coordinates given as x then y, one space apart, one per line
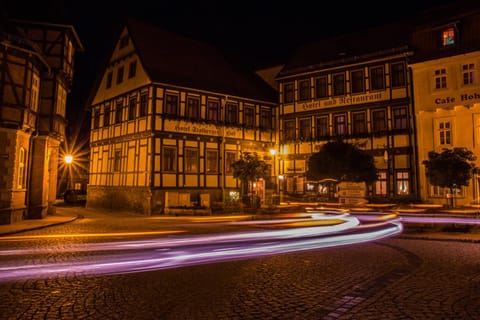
397 278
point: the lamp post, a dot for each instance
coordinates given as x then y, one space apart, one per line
273 152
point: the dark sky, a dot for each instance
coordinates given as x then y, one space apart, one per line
260 32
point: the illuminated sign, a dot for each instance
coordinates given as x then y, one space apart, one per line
346 100
202 129
460 98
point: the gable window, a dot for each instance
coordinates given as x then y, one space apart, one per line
288 92
212 161
440 78
468 73
132 69
400 118
289 130
120 75
321 87
377 78
118 112
231 157
132 108
445 132
266 119
231 114
117 160
305 129
321 127
171 105
169 159
397 75
448 37
143 104
338 84
304 90
22 158
249 117
109 80
357 81
359 123
340 124
379 120
106 116
191 160
212 111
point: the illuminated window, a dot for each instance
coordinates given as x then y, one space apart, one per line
120 75
379 120
212 161
231 113
109 80
132 108
249 117
171 105
338 84
321 127
193 108
304 90
106 116
212 111
169 163
448 37
403 187
321 87
340 124
266 119
143 104
381 184
445 132
191 160
468 73
440 78
305 129
359 122
22 157
289 130
231 157
288 92
400 118
132 69
377 78
397 74
357 81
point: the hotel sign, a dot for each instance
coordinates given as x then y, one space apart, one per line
202 129
343 101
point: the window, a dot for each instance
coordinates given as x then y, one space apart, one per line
106 116
304 90
321 87
440 78
193 108
468 73
249 120
448 37
357 81
359 123
321 127
266 119
212 161
340 124
379 121
400 118
381 183
117 160
132 69
305 129
96 118
231 114
109 80
132 108
191 160
123 42
118 112
61 100
22 158
402 183
231 157
120 75
169 159
34 92
143 104
377 78
338 84
397 75
288 92
171 105
445 132
212 111
289 130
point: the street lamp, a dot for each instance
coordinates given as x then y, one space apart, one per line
68 158
273 152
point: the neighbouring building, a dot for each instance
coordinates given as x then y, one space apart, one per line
169 116
446 69
37 66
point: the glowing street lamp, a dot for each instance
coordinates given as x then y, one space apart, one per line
68 158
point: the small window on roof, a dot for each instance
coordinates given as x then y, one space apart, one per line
448 37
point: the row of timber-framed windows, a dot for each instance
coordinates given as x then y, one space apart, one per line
191 160
117 118
341 124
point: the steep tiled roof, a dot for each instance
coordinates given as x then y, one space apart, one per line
174 59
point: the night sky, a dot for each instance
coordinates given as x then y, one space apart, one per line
261 33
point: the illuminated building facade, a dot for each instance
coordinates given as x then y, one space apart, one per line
446 68
169 116
358 88
35 77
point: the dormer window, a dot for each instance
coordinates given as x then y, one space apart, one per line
448 37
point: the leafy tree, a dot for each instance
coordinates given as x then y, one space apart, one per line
342 161
249 168
452 168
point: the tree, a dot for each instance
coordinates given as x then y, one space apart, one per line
452 168
343 162
249 168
